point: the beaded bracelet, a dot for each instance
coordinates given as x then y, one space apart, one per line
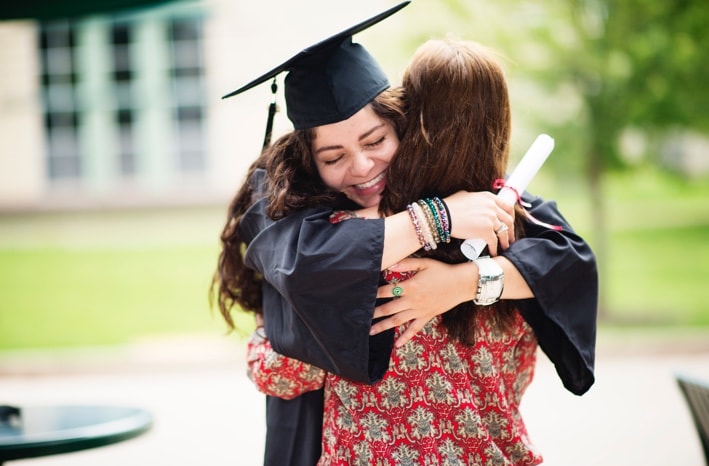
431 220
417 227
437 219
425 227
444 217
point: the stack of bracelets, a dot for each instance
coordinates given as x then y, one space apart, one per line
432 222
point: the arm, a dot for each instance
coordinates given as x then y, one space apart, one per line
319 289
476 215
551 274
436 288
277 375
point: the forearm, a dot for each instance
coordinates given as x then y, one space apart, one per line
516 287
462 282
400 239
471 215
465 281
277 375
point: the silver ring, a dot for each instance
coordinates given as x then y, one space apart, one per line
503 228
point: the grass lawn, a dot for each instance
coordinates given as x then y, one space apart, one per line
658 276
74 279
106 278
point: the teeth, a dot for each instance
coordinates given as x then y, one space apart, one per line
371 182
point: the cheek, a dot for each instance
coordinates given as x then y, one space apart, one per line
388 154
330 177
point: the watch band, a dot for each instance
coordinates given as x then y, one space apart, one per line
491 281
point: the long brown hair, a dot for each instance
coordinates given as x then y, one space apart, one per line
293 183
457 138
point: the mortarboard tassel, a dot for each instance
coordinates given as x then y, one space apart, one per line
272 109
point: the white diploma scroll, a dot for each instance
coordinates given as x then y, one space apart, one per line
514 185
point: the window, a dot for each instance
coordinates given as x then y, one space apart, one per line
124 95
61 118
188 83
124 99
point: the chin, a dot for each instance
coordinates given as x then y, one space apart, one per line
370 202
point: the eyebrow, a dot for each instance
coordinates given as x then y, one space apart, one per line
338 146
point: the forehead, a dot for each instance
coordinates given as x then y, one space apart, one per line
358 126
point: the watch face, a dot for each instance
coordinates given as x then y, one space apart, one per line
490 281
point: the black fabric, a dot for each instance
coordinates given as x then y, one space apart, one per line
320 286
56 9
294 430
563 318
331 80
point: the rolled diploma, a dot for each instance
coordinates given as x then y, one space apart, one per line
519 179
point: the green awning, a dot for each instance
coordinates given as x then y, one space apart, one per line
55 9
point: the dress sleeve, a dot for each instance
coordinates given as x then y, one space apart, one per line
320 284
279 376
561 271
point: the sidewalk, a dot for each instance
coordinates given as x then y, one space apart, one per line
207 412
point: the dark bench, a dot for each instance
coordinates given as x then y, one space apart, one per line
696 393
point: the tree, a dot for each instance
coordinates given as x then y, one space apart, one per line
635 64
607 67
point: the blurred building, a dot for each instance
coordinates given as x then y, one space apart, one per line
125 109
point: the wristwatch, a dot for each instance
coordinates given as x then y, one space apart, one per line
491 281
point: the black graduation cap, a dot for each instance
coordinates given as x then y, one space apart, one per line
331 80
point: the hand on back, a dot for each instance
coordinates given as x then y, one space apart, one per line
481 215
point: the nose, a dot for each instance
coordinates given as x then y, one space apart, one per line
361 164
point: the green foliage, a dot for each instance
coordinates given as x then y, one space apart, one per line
585 71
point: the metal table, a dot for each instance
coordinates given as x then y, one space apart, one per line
31 431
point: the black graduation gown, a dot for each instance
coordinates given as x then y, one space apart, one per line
563 317
294 430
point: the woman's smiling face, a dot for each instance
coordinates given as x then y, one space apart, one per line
352 156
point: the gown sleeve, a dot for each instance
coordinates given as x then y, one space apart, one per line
320 283
561 271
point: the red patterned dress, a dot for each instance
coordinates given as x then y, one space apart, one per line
440 403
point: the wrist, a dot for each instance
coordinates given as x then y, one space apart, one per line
468 288
491 281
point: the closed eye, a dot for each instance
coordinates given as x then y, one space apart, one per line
377 142
333 161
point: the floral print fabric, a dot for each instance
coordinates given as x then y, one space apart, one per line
440 403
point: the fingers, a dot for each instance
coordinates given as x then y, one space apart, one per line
507 218
398 317
480 215
390 308
414 327
405 265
